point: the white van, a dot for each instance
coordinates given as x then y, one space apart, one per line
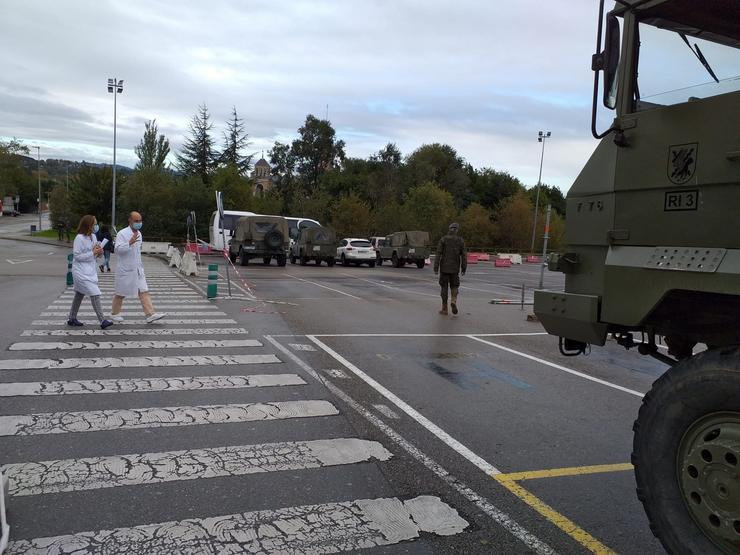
232 216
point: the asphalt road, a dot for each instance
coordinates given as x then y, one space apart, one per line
315 410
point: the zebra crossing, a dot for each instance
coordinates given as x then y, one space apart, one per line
235 385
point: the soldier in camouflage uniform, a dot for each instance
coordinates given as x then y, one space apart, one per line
450 259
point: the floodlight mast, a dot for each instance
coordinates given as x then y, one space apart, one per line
115 87
542 136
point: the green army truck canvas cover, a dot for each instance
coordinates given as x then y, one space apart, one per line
317 244
405 247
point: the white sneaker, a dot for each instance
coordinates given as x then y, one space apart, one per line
117 318
154 317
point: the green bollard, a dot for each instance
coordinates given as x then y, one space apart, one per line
212 290
70 279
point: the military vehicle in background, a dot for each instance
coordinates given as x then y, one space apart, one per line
654 251
405 247
314 244
264 237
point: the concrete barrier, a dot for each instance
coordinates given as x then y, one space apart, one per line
175 259
482 256
188 266
515 258
472 258
502 262
170 251
155 247
533 259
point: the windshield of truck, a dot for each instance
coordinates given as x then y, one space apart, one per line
670 73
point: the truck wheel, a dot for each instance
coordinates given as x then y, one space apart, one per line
686 454
282 260
395 261
304 259
345 262
292 259
266 260
371 264
330 262
232 257
318 262
420 264
243 258
380 260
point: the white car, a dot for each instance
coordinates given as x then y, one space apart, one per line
356 251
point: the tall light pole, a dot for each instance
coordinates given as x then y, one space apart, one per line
38 159
541 138
115 86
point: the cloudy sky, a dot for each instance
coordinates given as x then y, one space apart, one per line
484 77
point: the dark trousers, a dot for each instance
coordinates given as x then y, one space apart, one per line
448 280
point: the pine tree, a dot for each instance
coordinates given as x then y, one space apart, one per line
152 150
198 155
235 141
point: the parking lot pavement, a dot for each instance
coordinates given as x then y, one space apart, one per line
317 409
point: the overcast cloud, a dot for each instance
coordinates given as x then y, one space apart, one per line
484 77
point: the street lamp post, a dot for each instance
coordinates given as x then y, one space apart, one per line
541 138
115 86
38 160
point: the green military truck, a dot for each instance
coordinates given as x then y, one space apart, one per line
264 237
405 247
654 251
314 244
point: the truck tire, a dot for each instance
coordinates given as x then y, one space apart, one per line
318 261
303 259
395 261
379 260
371 264
232 257
243 258
292 259
420 264
266 260
274 239
686 453
282 260
345 262
330 262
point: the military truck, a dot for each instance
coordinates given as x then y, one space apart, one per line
264 237
314 243
405 247
654 251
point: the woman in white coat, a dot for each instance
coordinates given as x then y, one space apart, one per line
85 271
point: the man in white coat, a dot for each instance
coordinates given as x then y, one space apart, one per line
130 278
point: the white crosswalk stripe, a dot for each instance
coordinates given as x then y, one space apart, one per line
168 320
192 344
134 331
199 302
140 313
157 417
144 385
37 478
134 362
327 528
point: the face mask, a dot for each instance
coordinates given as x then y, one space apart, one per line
137 226
96 228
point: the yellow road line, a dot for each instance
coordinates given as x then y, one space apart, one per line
566 525
569 471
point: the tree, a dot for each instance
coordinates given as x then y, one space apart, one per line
490 186
60 207
429 208
316 150
198 155
476 226
514 223
152 193
90 192
235 141
350 217
14 179
237 189
152 151
549 195
282 167
316 206
441 164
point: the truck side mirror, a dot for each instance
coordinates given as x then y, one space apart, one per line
610 61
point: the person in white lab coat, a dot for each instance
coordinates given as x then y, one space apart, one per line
130 278
85 272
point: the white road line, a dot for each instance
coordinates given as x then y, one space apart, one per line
201 303
37 478
559 367
389 286
157 417
514 334
327 528
438 432
324 287
134 362
140 313
192 344
301 347
131 331
386 411
146 385
336 373
190 321
497 515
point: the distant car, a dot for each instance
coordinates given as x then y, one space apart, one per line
264 237
356 251
377 243
314 243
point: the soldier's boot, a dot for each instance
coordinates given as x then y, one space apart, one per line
453 304
443 312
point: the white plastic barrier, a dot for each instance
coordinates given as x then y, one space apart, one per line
188 265
515 258
175 259
4 528
155 248
170 251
